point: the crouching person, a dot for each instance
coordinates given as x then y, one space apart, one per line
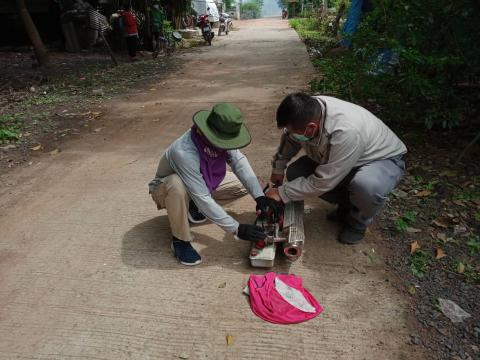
192 173
352 159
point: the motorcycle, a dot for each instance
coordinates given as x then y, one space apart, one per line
225 24
284 14
207 32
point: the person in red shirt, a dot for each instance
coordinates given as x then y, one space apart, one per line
131 31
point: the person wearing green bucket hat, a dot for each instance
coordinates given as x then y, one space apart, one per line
192 174
223 126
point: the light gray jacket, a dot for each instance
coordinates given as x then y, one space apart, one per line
351 136
182 158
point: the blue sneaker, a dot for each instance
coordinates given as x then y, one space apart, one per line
185 252
194 215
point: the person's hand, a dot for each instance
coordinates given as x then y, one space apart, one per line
264 204
277 179
273 193
250 232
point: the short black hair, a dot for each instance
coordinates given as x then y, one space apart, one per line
297 110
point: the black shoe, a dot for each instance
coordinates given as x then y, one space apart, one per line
194 215
185 253
339 215
350 235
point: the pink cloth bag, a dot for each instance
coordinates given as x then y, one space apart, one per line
281 299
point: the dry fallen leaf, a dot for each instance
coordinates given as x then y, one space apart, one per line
450 173
359 268
229 340
412 230
460 268
222 285
423 193
439 253
441 222
412 290
414 246
460 229
54 152
459 203
442 237
38 147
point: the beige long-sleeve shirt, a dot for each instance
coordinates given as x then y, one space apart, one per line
350 137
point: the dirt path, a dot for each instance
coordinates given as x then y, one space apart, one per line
85 266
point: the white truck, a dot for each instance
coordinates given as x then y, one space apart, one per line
206 7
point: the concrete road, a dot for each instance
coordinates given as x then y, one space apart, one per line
85 266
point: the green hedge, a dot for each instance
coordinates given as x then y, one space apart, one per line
437 78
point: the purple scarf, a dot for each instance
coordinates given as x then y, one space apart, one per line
213 161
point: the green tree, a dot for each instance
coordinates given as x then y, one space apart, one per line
251 9
229 4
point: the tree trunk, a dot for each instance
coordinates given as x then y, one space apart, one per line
324 5
341 10
32 32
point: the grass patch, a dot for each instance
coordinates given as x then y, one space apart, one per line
312 31
474 245
91 84
419 263
467 194
9 128
401 224
468 271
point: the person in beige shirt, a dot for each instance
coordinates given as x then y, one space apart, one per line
352 159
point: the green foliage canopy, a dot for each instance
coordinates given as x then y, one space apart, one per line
438 75
251 9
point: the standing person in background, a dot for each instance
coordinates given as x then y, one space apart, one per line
158 18
131 32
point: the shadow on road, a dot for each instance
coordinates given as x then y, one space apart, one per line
147 245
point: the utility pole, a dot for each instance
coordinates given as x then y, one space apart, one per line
238 3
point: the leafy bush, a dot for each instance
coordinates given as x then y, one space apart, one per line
437 76
9 128
313 31
251 10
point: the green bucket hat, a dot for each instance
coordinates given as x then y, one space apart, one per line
223 126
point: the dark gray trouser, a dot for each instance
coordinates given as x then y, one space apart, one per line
363 191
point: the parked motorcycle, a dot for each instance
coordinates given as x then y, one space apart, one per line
206 28
225 24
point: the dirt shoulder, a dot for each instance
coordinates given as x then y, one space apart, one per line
42 107
431 239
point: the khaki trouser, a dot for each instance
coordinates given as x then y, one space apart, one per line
172 196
